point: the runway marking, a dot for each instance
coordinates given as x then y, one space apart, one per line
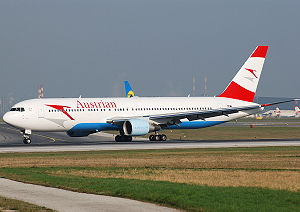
50 138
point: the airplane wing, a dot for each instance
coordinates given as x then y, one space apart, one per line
174 118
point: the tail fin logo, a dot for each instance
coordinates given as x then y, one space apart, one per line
252 72
130 94
128 89
243 86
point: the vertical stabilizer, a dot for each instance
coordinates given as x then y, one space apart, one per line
128 89
244 84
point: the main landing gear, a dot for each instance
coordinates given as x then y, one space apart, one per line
123 138
157 137
26 136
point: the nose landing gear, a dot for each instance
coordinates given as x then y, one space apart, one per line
26 140
26 136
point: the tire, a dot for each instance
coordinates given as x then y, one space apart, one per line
163 137
151 138
156 137
124 138
26 140
118 138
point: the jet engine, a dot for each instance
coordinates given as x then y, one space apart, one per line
137 127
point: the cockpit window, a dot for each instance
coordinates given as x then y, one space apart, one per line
20 109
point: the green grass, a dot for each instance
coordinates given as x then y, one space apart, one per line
17 205
179 195
33 168
134 153
283 119
235 133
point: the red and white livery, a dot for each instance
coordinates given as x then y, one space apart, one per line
142 115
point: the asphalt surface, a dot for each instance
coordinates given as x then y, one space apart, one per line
12 141
61 200
69 201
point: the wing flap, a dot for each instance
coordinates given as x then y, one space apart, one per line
195 115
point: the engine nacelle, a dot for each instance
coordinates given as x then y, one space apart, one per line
138 127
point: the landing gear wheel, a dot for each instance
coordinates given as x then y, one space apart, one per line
118 138
129 138
26 140
156 137
123 138
163 137
26 136
151 137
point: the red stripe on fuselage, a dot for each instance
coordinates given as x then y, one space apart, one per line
61 108
235 91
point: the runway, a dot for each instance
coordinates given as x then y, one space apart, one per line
11 141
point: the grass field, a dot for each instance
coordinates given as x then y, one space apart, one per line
281 119
7 204
232 179
235 133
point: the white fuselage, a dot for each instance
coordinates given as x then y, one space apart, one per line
63 114
141 115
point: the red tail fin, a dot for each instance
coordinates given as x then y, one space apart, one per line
244 84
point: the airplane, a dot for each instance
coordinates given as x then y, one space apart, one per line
285 113
139 116
128 90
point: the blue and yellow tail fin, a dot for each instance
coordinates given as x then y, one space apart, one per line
128 89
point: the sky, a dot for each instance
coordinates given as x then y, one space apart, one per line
88 48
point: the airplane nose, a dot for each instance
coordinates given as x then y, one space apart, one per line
6 118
